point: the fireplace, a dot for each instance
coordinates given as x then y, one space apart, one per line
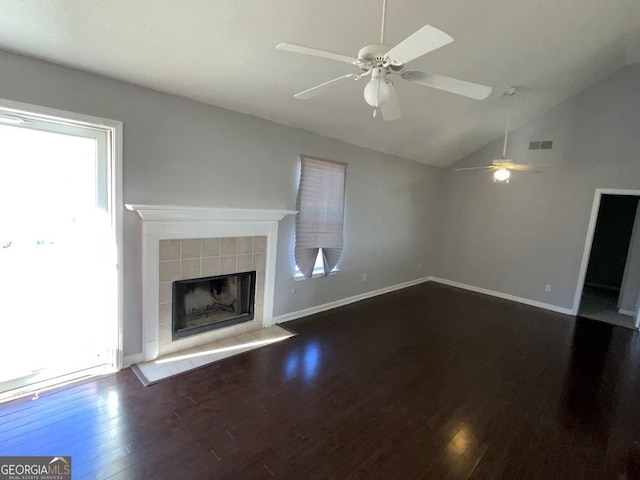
203 304
181 242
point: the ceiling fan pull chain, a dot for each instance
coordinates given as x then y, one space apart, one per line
384 18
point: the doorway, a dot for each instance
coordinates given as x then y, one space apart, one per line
610 286
59 248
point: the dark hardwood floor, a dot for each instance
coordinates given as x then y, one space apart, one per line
428 382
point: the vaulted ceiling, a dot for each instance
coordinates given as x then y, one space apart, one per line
222 53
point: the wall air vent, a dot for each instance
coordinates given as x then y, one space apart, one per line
541 145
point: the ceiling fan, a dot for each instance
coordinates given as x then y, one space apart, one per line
502 167
380 61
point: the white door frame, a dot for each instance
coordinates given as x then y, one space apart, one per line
114 132
636 319
631 253
589 241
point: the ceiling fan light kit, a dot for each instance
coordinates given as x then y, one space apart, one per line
376 92
501 175
381 60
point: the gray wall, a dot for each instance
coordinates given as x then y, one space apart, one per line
181 152
515 238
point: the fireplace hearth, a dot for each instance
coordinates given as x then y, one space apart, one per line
203 304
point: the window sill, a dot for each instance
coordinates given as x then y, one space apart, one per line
298 276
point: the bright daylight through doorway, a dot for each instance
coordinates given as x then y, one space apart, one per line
56 251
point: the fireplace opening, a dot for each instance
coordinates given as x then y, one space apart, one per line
202 304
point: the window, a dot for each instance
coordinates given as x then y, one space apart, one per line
318 268
320 218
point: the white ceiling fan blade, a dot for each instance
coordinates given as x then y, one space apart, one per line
391 108
448 84
526 168
484 167
316 52
425 40
313 91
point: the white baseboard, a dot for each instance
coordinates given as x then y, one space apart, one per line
629 313
506 296
345 301
132 360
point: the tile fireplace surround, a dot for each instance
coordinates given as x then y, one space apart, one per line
189 242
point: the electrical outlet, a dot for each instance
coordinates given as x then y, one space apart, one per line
293 291
420 266
364 277
547 288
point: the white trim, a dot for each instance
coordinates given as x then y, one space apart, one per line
586 252
589 239
114 130
298 276
53 114
181 213
346 301
356 298
132 360
505 296
631 253
629 313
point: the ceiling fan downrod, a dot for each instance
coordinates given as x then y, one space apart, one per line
384 18
509 93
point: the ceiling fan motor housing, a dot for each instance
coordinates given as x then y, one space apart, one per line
375 55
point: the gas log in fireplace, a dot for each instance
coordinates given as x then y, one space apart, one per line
202 304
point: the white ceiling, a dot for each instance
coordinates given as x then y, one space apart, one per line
222 52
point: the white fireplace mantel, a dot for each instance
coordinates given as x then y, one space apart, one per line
160 222
161 213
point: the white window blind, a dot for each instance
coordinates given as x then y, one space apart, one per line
320 218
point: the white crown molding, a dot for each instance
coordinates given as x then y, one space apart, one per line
162 213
